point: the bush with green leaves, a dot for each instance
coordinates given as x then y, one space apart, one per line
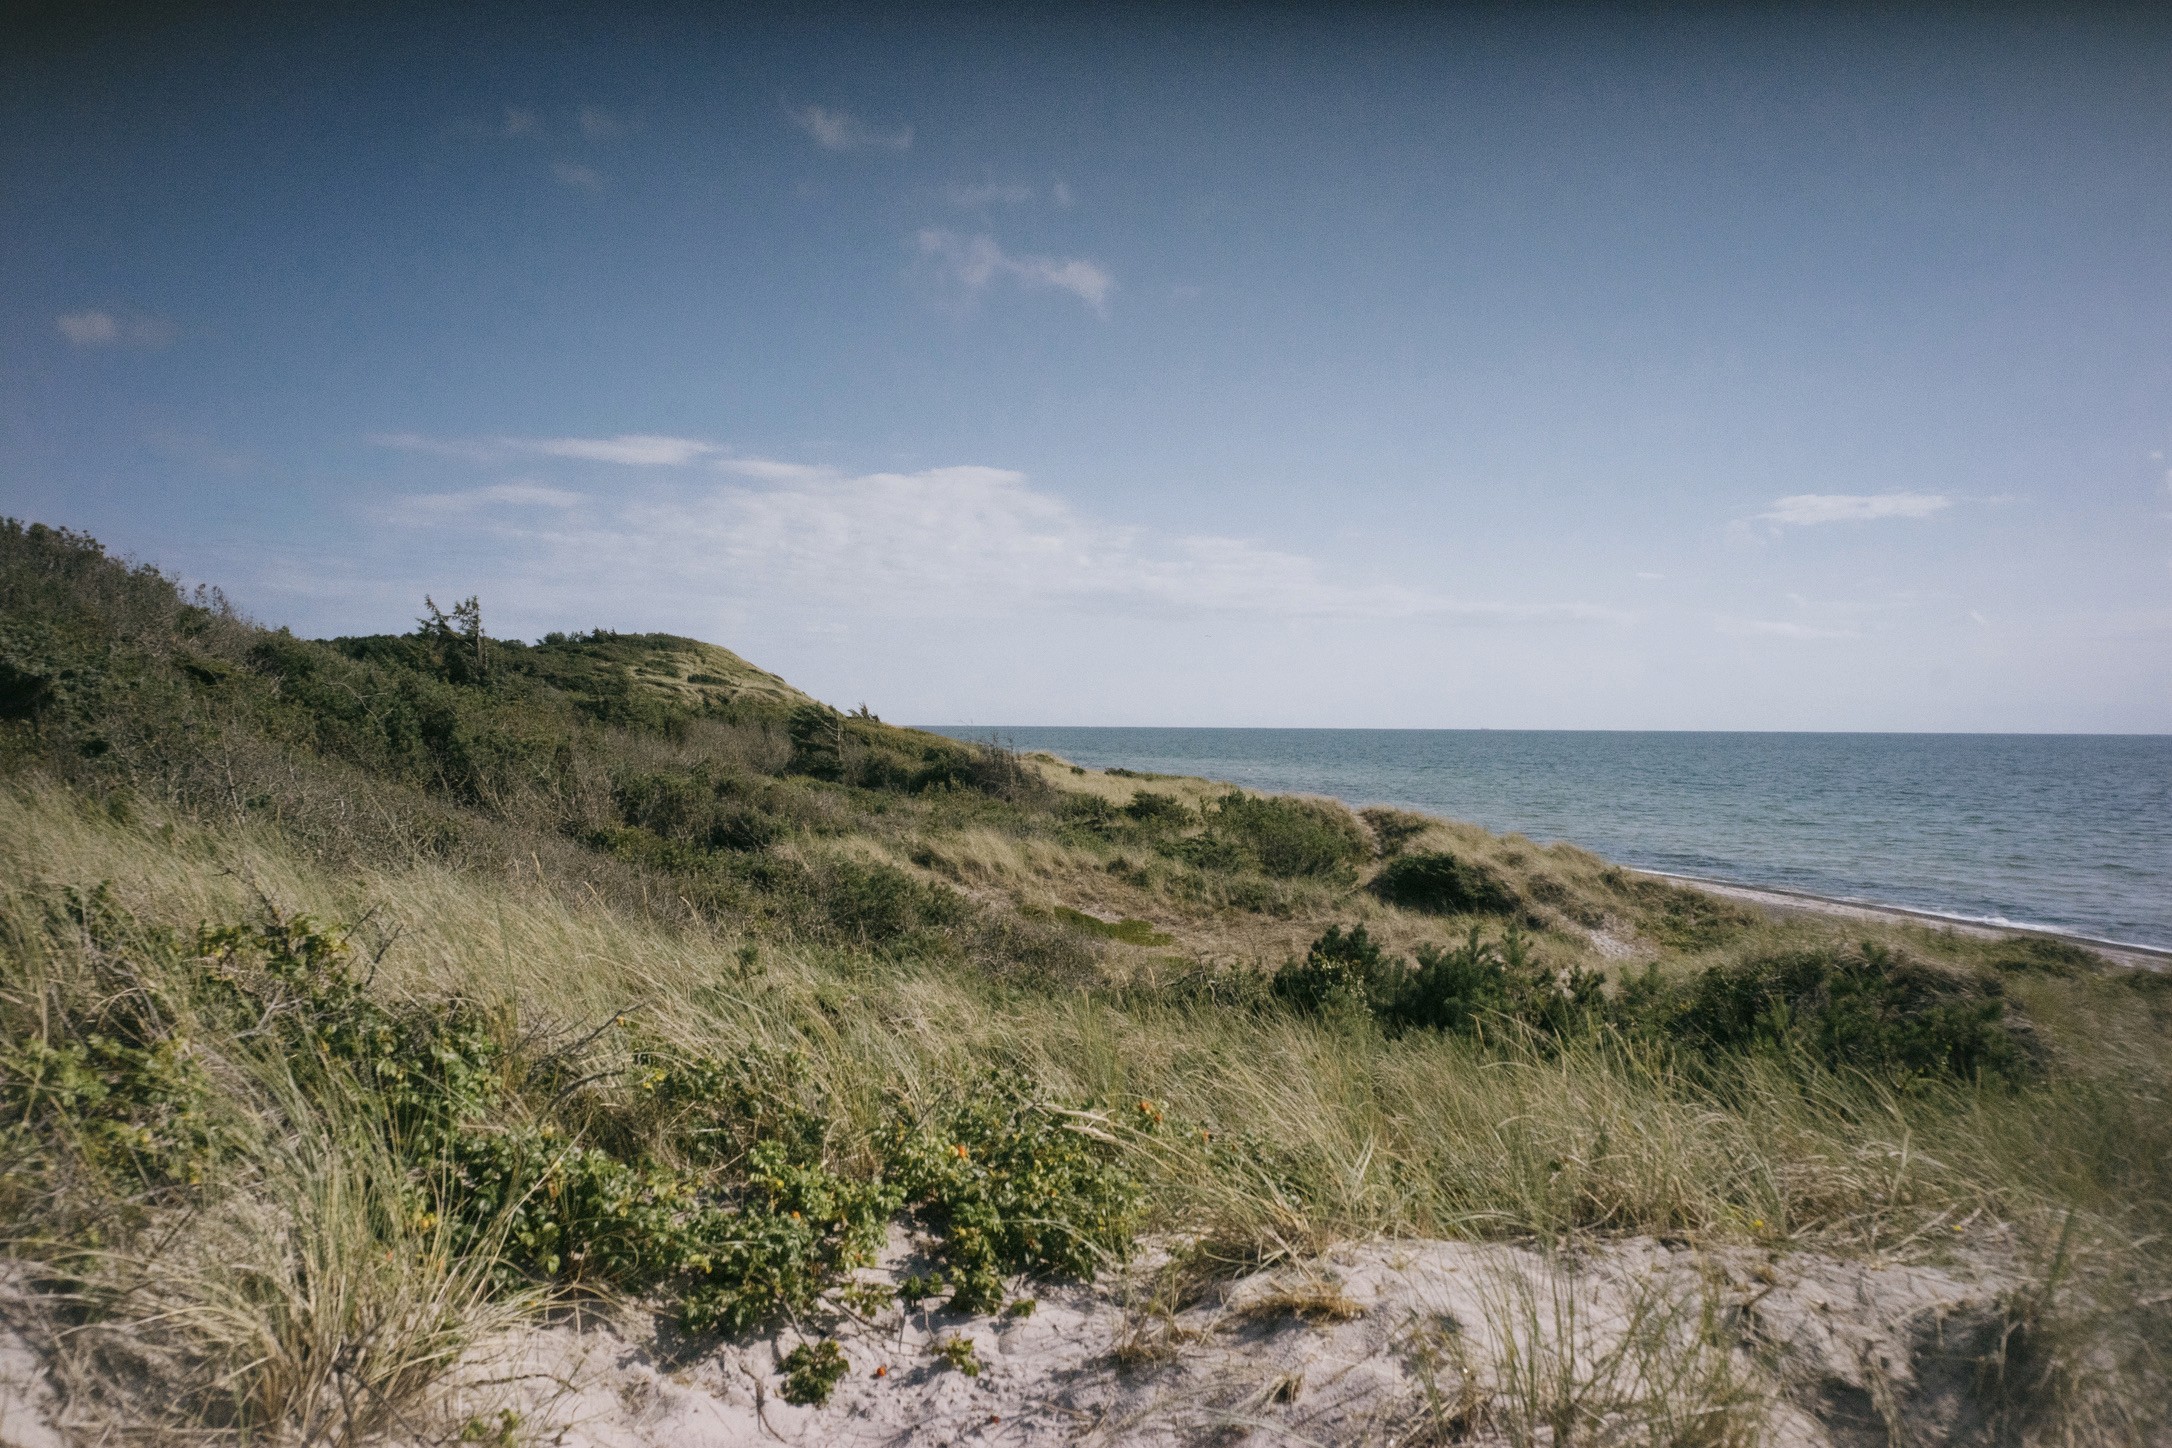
1870 1009
1288 837
1011 1185
1336 976
1441 884
812 1372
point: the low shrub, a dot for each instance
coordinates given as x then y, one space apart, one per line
1149 807
812 1372
1869 1009
1290 837
1339 974
1011 1186
1440 884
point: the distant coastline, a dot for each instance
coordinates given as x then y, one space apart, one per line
1773 898
2067 835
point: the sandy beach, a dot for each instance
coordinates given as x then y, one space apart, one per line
1780 901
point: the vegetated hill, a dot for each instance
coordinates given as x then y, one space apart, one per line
359 997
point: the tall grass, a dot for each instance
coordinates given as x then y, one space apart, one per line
304 1300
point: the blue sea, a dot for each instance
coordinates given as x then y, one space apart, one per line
2064 832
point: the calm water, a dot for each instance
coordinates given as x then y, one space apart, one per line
2072 832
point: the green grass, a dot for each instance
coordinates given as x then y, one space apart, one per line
618 969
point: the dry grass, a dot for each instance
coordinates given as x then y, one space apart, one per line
1283 1134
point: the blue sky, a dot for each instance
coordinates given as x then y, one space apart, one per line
1510 369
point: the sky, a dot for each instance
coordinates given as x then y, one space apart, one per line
1731 368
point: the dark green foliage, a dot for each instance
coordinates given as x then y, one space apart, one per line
1454 990
1012 1186
1214 852
812 1372
1441 884
1149 807
1290 837
1869 1009
1337 974
881 904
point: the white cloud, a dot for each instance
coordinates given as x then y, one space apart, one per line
1651 576
581 178
516 495
640 450
769 470
637 449
1805 509
952 541
976 198
843 131
101 327
1061 195
597 123
976 262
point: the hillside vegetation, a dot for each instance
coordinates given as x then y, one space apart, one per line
361 997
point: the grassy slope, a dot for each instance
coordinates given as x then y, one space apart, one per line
601 824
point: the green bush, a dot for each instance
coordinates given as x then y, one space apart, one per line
812 1372
1012 1186
1456 990
1440 884
1149 807
1338 974
880 904
1870 1009
1290 837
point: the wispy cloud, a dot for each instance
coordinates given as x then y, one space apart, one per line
580 178
843 131
951 541
975 263
1807 509
633 449
104 327
627 449
599 124
515 495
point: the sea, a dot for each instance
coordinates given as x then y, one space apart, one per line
2064 832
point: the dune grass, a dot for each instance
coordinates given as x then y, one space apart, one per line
975 963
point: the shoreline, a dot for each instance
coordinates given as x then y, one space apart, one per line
1779 898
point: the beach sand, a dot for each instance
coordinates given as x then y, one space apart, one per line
1781 902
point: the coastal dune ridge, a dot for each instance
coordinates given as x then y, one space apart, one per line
431 1037
2070 834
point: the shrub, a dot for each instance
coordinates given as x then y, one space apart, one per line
1014 1186
1869 1009
812 1372
1150 807
1440 884
1451 990
880 904
1338 974
1290 837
